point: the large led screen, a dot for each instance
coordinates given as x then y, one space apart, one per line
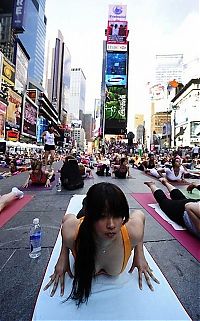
115 109
29 123
116 69
117 32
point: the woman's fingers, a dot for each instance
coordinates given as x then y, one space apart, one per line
62 285
55 286
153 277
50 282
148 281
140 279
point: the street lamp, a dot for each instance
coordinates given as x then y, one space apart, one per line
174 108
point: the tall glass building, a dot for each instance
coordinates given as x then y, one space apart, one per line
77 93
33 38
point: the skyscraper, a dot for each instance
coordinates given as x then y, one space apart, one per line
77 93
33 38
169 67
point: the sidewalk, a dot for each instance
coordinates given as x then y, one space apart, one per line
20 276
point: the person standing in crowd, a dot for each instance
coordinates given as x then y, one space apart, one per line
49 147
195 151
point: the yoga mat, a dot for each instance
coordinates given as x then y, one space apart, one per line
195 194
190 242
112 298
13 208
41 187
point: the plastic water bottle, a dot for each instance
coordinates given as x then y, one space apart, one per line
35 239
59 188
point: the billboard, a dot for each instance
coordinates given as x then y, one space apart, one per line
195 129
2 119
116 47
8 72
117 12
116 70
21 69
13 116
115 110
117 32
18 16
29 119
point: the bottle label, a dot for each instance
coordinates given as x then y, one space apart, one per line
35 242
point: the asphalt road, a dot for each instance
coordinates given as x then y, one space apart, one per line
20 276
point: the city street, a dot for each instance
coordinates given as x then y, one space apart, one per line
21 276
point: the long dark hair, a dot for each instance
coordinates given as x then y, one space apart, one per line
101 198
70 171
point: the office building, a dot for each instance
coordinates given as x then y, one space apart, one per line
77 93
33 38
168 67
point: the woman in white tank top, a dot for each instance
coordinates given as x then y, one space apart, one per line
49 147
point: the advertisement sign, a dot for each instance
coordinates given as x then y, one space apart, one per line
32 94
29 119
115 110
116 47
21 71
12 135
8 72
14 109
157 92
2 120
117 12
18 16
195 129
117 32
116 69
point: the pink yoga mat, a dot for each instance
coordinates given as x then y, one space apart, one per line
190 242
174 183
13 208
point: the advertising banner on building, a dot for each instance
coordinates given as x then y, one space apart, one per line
115 110
117 32
117 12
32 94
29 119
116 70
8 72
2 119
21 70
116 47
195 130
14 109
18 15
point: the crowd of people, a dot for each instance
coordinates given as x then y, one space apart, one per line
103 235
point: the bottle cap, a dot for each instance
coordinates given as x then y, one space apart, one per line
36 221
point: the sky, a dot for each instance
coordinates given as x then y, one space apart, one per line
155 27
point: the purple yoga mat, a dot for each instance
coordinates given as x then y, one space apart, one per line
190 242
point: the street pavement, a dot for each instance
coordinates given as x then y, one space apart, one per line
21 277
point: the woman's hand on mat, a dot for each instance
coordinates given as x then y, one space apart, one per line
141 264
61 268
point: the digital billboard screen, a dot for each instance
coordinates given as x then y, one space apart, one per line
117 32
2 119
29 122
115 109
116 70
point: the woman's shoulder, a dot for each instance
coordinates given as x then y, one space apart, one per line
69 229
135 226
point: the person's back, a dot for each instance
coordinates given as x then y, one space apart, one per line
70 174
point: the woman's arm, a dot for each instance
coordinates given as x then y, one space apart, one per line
137 222
27 181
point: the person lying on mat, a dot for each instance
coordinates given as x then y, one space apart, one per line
6 199
193 186
122 170
181 210
175 173
70 175
101 242
39 177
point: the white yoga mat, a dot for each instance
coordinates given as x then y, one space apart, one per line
112 298
166 218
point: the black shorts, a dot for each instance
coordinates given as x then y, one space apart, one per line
48 148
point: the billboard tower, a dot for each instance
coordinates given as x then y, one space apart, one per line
114 88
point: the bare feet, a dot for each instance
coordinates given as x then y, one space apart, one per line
149 184
163 180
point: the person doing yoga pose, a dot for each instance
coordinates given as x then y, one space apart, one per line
184 211
101 242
